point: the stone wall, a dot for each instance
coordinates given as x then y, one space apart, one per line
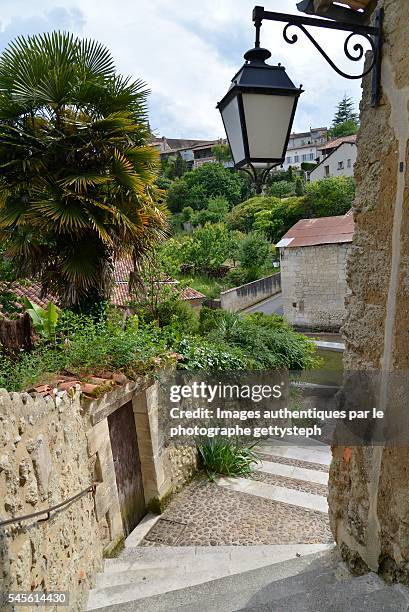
369 487
244 296
314 285
43 460
50 450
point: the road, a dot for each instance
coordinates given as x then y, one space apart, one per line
273 305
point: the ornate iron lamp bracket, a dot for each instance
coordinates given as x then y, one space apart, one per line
372 34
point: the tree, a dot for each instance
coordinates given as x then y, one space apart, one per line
329 197
253 254
216 211
207 248
299 187
346 120
210 180
222 153
348 128
77 185
276 219
281 189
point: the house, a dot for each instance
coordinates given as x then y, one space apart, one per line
196 152
303 147
203 153
313 257
336 158
120 294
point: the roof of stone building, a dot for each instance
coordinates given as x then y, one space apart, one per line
333 144
176 144
303 134
325 230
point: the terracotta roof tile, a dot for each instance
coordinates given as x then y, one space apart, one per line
120 295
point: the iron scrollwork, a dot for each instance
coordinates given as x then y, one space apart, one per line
291 39
371 33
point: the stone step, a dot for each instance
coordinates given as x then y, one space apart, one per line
161 556
320 455
234 592
293 471
293 497
228 560
128 581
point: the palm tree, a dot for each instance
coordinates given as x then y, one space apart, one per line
77 176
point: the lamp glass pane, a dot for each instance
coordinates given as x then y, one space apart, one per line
231 118
268 118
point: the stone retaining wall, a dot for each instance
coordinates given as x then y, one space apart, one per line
244 296
50 449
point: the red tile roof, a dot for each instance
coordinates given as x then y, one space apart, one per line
325 230
30 289
120 295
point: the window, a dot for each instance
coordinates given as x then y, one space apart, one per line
296 159
349 163
289 160
311 156
304 158
340 165
326 170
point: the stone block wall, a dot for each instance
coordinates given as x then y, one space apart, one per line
43 461
314 285
50 450
369 487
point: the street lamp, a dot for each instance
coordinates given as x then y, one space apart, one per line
258 113
259 107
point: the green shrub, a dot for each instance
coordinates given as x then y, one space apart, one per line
198 186
84 347
227 457
201 354
267 341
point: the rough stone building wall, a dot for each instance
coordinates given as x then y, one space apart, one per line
314 285
44 460
52 449
369 488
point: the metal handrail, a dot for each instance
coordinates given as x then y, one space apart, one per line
47 511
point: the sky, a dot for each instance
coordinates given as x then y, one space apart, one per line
187 51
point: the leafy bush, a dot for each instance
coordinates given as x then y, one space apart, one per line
331 196
216 211
85 347
274 217
200 354
228 457
254 252
196 187
281 189
242 216
207 248
267 341
44 320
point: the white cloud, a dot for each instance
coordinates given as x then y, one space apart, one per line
188 51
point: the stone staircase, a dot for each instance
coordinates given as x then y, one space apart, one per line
166 579
282 578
